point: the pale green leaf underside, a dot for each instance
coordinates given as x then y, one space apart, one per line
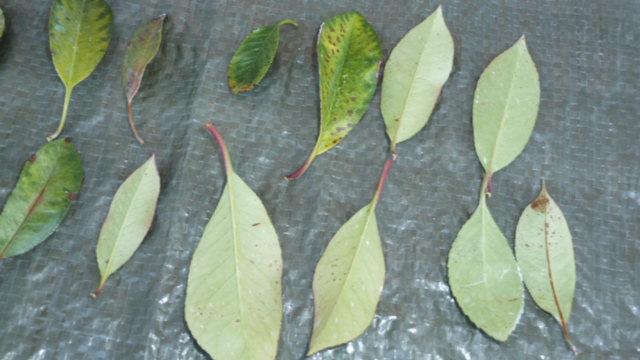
129 219
234 294
484 276
505 107
414 75
544 248
348 282
79 34
48 184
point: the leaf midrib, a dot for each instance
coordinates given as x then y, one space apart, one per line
75 48
550 268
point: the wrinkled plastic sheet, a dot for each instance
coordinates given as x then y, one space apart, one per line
585 145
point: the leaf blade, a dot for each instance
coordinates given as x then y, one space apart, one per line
414 76
484 276
42 197
130 216
505 107
544 249
254 57
142 48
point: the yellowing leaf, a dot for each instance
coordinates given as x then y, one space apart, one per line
143 47
414 76
48 184
349 55
234 294
349 278
545 254
79 35
484 276
129 219
505 107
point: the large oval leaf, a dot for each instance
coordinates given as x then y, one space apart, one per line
253 58
79 35
414 76
505 107
143 47
129 219
49 182
545 254
234 294
484 275
349 53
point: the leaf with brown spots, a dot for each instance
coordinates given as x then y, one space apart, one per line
349 56
544 249
41 198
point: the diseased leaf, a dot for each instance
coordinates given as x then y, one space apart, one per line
253 58
79 35
129 219
349 53
48 184
234 294
349 278
545 254
142 48
484 276
505 107
414 76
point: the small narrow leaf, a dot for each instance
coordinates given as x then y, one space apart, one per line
254 57
545 254
349 56
505 107
48 184
143 47
79 35
234 294
349 278
414 76
2 23
129 219
484 276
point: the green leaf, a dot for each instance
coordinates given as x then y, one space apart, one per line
349 53
505 107
545 254
349 278
129 219
2 23
79 35
414 76
484 276
253 58
234 294
143 47
49 182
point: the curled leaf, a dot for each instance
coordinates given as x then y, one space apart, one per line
48 184
79 35
234 294
414 76
254 57
545 254
129 219
349 53
142 48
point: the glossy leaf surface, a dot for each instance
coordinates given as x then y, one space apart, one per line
349 53
414 76
505 107
234 294
129 219
142 48
484 276
48 184
254 57
545 254
79 35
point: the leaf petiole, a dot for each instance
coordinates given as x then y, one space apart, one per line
223 147
67 100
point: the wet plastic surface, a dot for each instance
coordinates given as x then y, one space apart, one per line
585 145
